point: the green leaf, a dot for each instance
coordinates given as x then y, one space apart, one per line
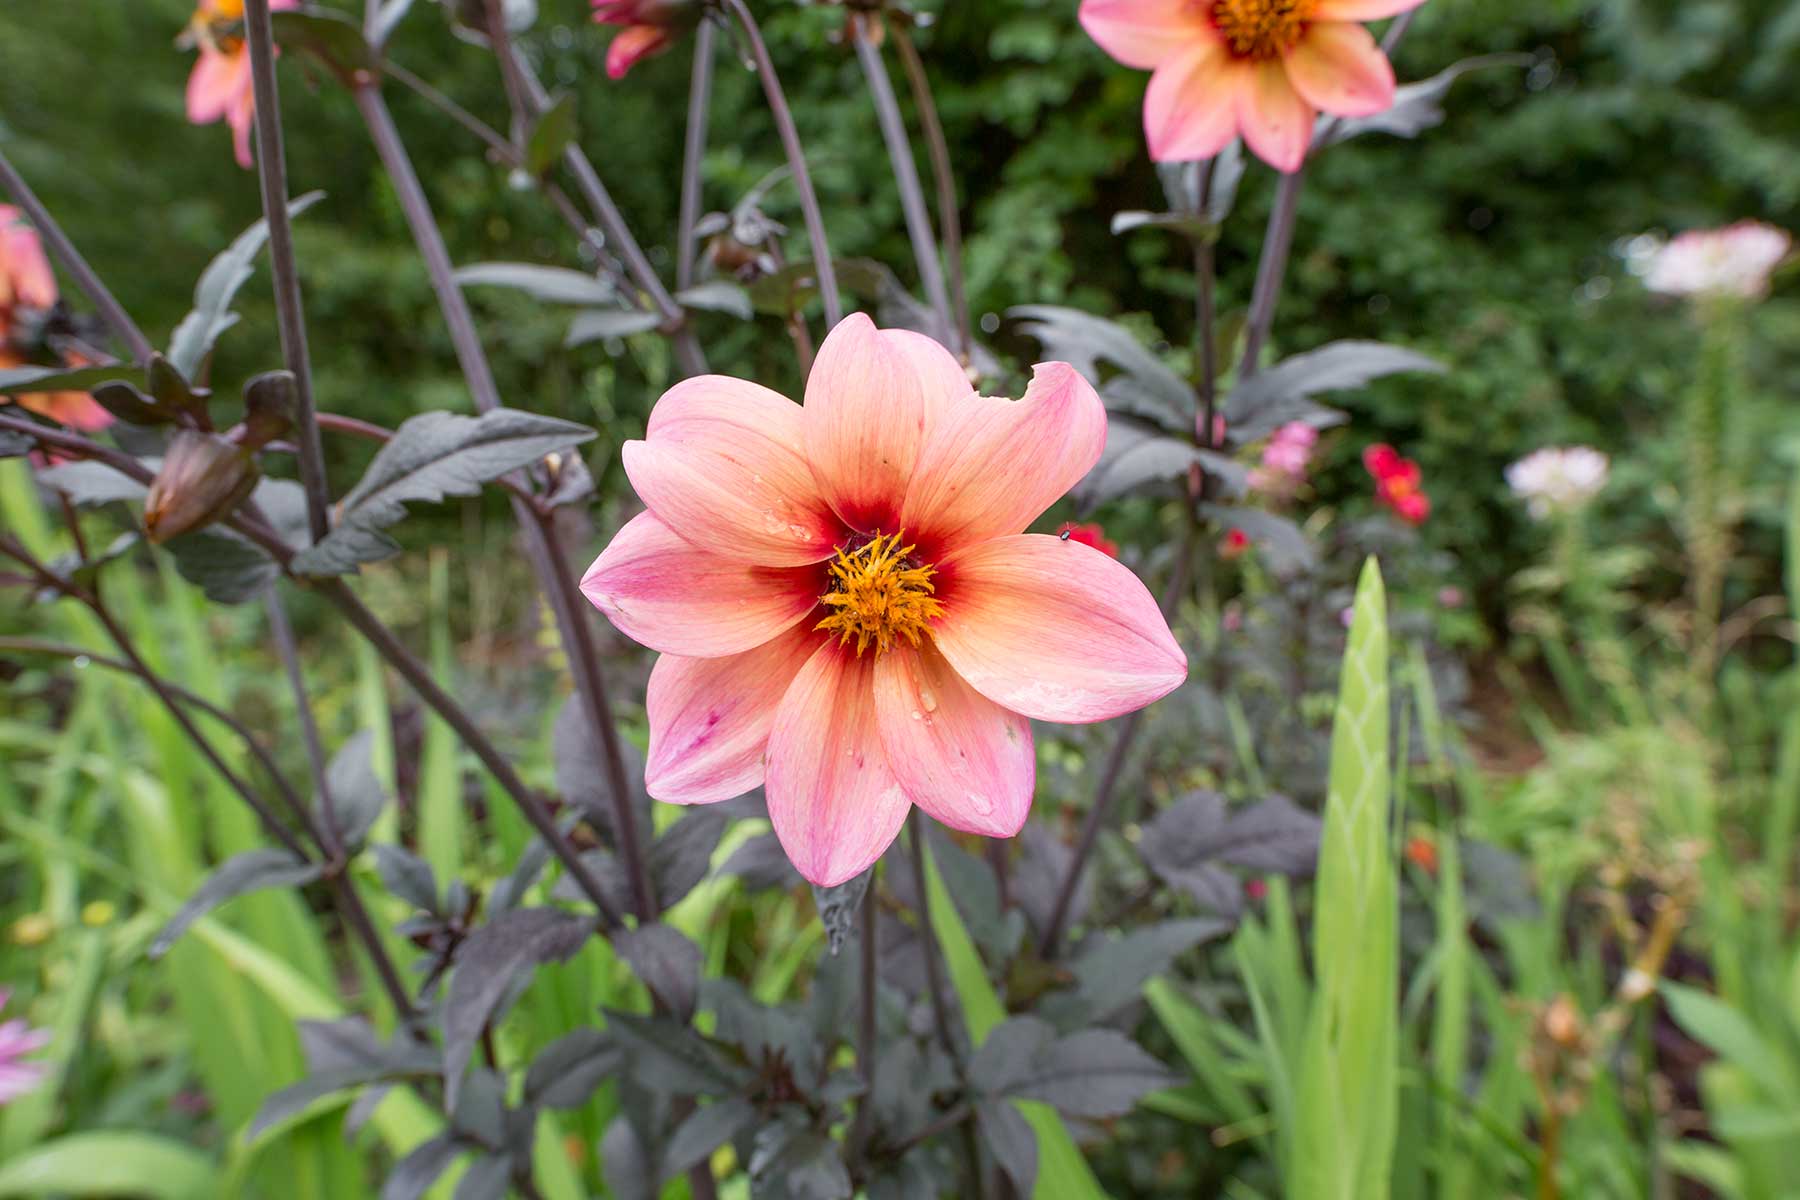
553 134
431 456
1342 1145
111 1164
195 337
16 381
1729 1034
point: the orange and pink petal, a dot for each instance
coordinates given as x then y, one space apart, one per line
1338 68
1145 33
1361 10
993 465
1191 105
959 756
710 718
867 410
661 592
1055 630
833 799
1277 123
722 465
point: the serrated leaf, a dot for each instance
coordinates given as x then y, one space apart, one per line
489 963
624 1163
556 285
666 961
671 1056
838 908
357 796
407 876
761 863
552 134
1138 456
489 1177
1096 1073
251 871
1416 107
227 566
430 457
1010 1139
24 381
1043 864
609 323
569 1069
718 295
413 1176
1280 393
1111 971
122 399
705 1130
581 774
91 483
1284 548
1147 389
680 858
801 1161
211 316
1271 835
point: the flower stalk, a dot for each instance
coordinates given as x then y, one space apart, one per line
693 153
949 219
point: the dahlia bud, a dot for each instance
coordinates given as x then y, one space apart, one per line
203 477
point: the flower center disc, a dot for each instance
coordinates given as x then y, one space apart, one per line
879 594
1261 29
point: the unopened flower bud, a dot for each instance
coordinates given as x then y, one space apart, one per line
203 478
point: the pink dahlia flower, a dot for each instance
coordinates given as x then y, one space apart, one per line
1285 458
17 1039
650 27
26 282
848 608
220 86
1260 69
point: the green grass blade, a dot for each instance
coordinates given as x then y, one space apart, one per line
110 1164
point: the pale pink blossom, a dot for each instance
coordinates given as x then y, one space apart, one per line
1734 261
220 87
848 609
1558 479
1259 69
1285 458
17 1039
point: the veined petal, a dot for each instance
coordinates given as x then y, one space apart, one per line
1190 107
958 755
943 381
661 592
722 466
833 799
993 464
1055 630
215 82
1277 123
865 419
1338 68
1143 33
632 44
1361 10
710 718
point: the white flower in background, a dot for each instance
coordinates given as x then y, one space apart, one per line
1557 478
1734 261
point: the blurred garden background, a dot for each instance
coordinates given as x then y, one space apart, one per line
1590 779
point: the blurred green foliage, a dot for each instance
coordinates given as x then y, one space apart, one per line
1493 241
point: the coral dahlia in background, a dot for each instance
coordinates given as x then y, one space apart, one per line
220 87
848 608
27 292
1262 70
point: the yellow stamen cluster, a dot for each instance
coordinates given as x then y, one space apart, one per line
1261 29
879 595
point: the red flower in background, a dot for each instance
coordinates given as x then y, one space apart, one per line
651 26
1234 543
1397 483
1089 535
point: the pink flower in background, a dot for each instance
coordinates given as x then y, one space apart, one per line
848 608
1285 458
17 1039
1734 261
26 282
1089 535
651 26
1260 69
1397 483
220 87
